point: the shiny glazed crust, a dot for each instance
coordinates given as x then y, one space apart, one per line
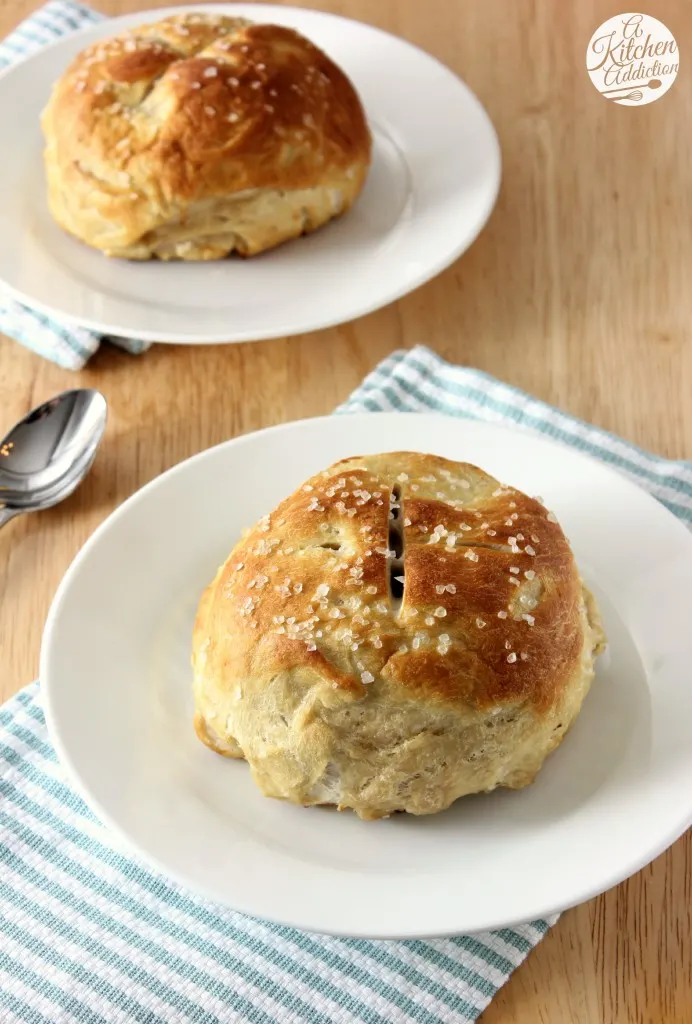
201 135
401 631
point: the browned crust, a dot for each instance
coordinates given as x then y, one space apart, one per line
267 581
145 124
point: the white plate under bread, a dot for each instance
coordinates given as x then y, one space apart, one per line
430 188
118 690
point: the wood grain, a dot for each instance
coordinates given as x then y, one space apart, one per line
578 291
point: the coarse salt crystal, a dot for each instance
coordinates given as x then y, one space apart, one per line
481 623
511 658
502 614
440 613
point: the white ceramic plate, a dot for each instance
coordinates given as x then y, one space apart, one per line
117 685
432 185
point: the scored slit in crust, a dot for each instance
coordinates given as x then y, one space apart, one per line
399 632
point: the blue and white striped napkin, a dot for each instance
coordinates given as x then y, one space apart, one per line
90 935
65 344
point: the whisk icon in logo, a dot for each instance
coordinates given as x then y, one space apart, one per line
632 59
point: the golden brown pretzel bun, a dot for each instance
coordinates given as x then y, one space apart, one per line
336 689
201 135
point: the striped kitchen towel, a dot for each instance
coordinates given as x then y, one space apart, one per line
62 343
90 934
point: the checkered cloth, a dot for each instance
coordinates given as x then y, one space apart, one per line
62 343
88 934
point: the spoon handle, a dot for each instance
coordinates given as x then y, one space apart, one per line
7 513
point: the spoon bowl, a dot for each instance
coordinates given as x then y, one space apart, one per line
47 454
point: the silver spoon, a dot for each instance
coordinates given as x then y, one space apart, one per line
46 455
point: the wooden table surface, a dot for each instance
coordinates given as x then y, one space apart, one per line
578 291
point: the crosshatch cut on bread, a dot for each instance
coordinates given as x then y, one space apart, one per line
201 135
399 632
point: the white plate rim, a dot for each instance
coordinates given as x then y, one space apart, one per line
540 912
216 337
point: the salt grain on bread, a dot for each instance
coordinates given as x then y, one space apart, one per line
201 135
354 654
